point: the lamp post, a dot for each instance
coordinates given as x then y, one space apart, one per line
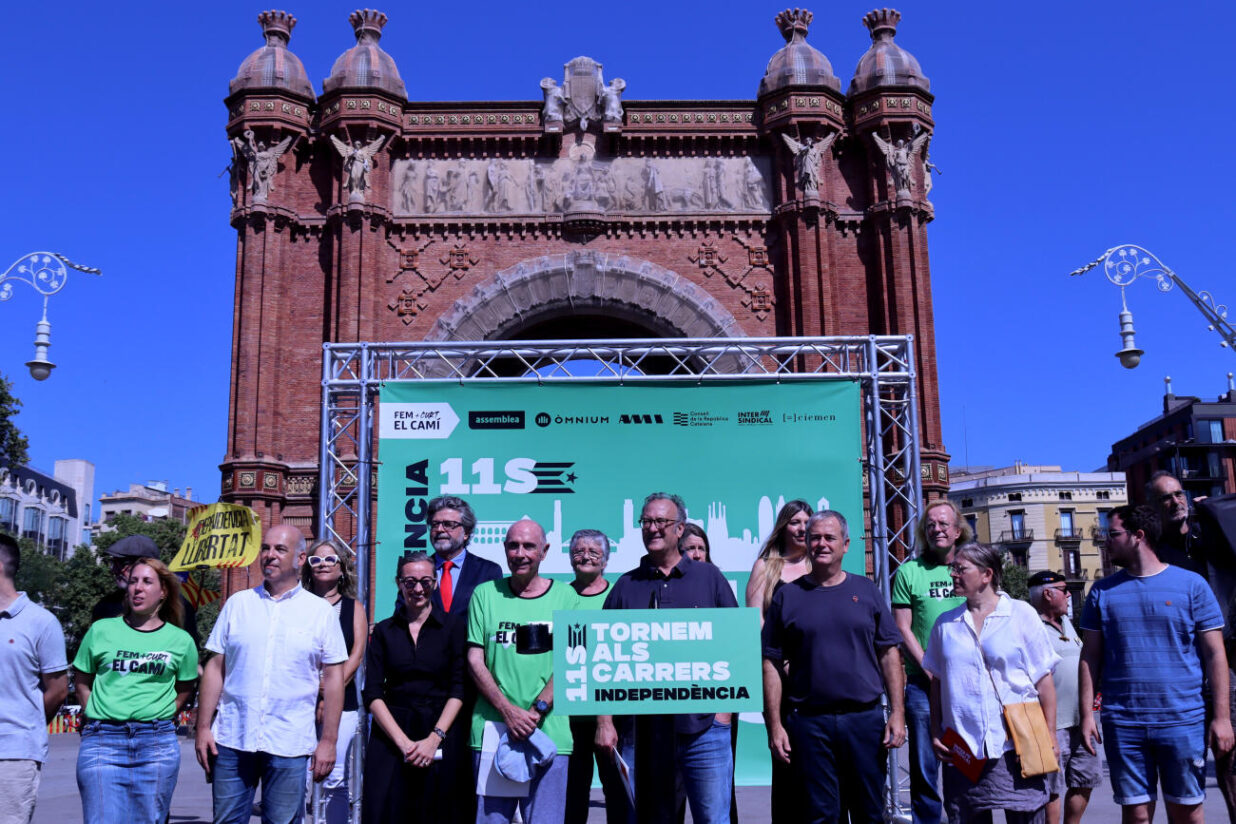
46 273
1126 263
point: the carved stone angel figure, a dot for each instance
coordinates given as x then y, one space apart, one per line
898 157
807 155
263 162
357 163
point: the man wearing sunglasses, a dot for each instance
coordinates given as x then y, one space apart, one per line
122 556
1080 770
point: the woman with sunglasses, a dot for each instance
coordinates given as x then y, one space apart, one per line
330 574
134 674
414 686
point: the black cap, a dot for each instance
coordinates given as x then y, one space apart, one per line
134 546
1038 579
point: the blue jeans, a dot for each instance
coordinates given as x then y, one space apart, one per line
925 800
236 777
840 762
126 772
545 804
706 763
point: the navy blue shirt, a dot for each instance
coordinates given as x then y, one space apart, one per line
689 584
831 637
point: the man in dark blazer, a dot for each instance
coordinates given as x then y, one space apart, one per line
459 573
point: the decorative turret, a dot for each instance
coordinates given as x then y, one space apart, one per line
797 64
366 65
273 66
886 63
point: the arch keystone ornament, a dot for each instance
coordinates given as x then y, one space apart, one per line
560 285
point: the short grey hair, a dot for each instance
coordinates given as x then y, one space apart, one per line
983 557
1036 595
672 498
835 515
466 516
590 535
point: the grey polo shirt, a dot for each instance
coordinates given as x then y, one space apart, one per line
31 645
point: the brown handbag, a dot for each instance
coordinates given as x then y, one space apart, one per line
1027 726
1032 740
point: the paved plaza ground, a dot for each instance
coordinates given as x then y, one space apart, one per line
59 803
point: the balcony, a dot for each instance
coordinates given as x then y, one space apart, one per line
1069 534
1017 536
1098 534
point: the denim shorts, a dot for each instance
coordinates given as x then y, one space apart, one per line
1140 757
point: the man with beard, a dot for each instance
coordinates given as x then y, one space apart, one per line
1184 544
459 573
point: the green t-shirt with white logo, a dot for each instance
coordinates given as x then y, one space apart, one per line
493 614
927 589
135 672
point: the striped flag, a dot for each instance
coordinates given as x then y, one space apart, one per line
199 595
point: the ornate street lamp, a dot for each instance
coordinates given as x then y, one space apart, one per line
1124 264
46 273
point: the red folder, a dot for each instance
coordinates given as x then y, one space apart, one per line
964 759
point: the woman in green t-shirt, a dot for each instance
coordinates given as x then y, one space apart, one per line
134 673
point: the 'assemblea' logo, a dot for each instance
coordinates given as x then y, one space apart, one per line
499 419
640 417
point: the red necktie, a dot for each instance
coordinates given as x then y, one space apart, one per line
445 586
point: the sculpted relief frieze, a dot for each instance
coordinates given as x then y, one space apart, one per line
623 185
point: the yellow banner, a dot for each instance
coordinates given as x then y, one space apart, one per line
219 536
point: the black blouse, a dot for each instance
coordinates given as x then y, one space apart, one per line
406 674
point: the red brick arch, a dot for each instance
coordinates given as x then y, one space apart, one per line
541 288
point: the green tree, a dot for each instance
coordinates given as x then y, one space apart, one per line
1015 580
13 445
39 573
83 582
166 533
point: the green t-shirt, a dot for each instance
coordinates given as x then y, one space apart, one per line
593 601
135 673
927 589
493 615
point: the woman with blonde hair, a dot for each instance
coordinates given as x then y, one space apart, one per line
330 573
783 558
134 674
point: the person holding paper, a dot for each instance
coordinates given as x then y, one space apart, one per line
517 688
831 649
986 653
695 747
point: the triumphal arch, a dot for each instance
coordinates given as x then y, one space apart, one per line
583 212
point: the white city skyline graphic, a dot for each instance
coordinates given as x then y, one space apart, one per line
732 553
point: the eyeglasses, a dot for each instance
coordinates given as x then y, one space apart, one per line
1061 590
657 524
586 553
447 525
323 560
1115 533
412 583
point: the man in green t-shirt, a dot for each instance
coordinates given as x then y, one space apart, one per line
922 591
517 689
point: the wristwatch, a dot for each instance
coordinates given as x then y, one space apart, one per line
541 706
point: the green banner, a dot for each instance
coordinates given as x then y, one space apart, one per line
584 454
657 661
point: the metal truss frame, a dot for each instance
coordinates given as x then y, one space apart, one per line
883 365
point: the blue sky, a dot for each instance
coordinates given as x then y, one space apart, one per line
1061 129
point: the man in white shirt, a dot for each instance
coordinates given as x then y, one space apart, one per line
275 646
